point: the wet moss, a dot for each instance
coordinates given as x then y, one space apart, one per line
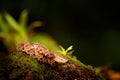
24 67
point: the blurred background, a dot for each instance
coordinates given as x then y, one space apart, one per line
91 26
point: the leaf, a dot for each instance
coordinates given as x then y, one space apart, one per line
35 24
6 37
12 22
23 18
3 35
46 40
69 48
62 49
3 25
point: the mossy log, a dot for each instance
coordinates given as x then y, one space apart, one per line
21 66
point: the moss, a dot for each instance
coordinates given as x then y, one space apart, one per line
23 61
24 67
73 59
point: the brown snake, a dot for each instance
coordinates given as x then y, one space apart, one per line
41 53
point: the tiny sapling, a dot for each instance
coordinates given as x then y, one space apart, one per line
63 51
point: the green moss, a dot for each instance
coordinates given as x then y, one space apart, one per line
73 59
20 66
24 66
23 61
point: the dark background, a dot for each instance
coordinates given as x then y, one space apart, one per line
91 26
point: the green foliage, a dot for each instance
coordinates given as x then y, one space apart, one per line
63 51
46 40
11 31
14 32
72 58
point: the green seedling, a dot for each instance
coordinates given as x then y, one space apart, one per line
63 51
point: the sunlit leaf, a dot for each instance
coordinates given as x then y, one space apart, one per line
45 40
62 49
6 37
69 48
12 22
23 19
3 34
3 25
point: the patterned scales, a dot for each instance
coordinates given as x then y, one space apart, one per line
41 53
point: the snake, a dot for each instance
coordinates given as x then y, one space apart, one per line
41 53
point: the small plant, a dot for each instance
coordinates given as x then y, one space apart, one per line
13 32
63 51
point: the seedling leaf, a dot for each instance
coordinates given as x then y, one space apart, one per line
69 48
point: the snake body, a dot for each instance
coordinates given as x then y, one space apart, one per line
41 53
